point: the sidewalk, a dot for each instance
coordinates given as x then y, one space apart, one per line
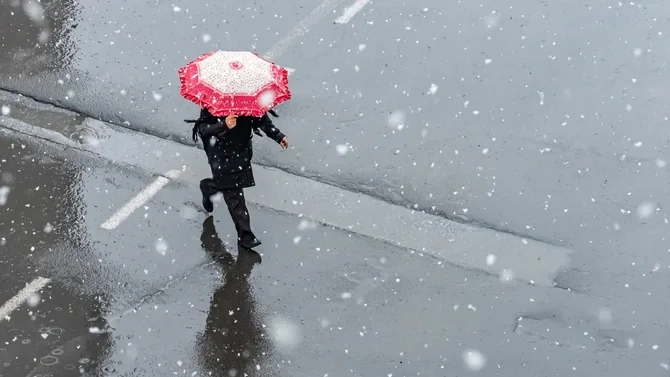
454 243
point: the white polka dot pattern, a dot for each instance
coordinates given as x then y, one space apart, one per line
235 72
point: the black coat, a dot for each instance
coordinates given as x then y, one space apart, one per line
229 151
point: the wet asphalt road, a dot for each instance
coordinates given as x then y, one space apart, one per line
162 293
535 109
561 137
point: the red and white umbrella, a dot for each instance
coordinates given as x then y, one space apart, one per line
234 82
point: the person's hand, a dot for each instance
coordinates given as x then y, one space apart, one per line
284 143
231 121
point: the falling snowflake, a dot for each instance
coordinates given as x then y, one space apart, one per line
216 198
267 98
285 333
506 275
488 61
490 260
474 360
492 20
161 246
4 193
43 37
645 210
637 52
206 38
296 240
304 225
342 149
396 119
34 11
48 228
661 163
361 47
433 89
176 9
157 96
5 110
34 300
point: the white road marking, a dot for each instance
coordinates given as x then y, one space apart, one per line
351 11
301 28
136 202
22 296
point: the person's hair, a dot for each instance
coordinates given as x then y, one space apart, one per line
205 118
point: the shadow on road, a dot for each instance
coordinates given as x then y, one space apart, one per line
233 343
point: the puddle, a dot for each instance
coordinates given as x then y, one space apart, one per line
83 134
55 120
66 123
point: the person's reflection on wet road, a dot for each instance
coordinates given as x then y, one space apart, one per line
233 343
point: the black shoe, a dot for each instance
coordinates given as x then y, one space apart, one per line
206 199
249 243
207 203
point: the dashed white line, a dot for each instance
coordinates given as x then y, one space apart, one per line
301 28
351 11
22 296
136 202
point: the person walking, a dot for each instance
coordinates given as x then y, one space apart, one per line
227 143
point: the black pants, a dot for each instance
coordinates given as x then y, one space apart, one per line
237 207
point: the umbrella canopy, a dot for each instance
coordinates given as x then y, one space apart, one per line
234 82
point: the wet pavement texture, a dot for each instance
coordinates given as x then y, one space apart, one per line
541 119
164 293
472 111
